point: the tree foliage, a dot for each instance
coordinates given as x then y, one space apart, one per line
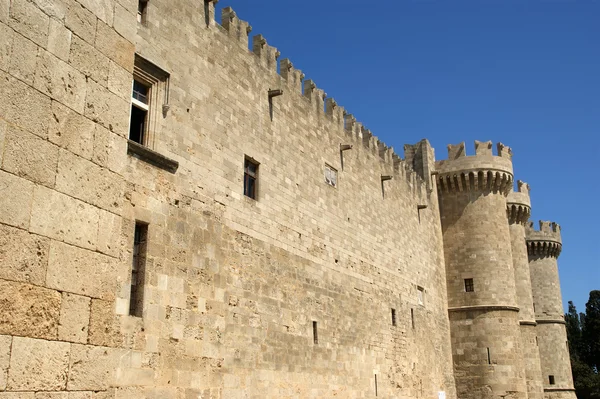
583 333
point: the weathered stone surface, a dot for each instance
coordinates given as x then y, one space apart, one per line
58 79
89 61
81 21
4 10
74 318
6 42
104 107
59 40
23 59
29 156
114 46
89 182
104 329
110 240
24 106
37 365
125 22
53 8
92 368
119 81
81 271
16 195
23 256
71 131
64 218
31 22
17 395
103 9
5 343
28 310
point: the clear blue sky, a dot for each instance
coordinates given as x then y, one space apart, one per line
523 72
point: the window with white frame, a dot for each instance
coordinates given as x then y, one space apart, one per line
330 176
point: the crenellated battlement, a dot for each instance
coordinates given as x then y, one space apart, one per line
518 204
543 242
483 171
235 27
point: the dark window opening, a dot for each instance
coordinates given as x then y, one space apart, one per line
489 358
394 317
412 318
140 100
138 266
551 379
250 177
142 11
315 336
469 287
375 384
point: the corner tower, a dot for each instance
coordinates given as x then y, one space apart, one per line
518 210
482 299
543 247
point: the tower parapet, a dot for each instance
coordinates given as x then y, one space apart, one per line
518 204
482 172
545 242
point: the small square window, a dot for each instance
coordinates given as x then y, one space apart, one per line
469 287
551 379
330 176
250 177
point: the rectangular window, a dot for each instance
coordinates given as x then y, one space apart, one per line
469 285
250 177
412 318
330 176
138 266
141 12
489 358
394 317
315 336
420 295
551 379
140 98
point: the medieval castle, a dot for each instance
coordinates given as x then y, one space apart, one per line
179 220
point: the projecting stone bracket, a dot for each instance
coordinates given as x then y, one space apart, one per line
152 157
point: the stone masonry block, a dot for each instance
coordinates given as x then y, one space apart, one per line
23 59
29 156
71 131
89 61
125 22
104 107
3 127
81 271
53 8
110 240
64 218
103 9
81 21
24 106
61 81
104 328
59 40
92 367
119 81
114 46
27 19
74 318
16 195
28 310
6 42
5 343
17 395
109 149
37 365
4 10
89 182
23 256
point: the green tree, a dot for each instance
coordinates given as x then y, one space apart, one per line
591 330
574 334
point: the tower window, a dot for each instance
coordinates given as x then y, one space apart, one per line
412 318
142 11
420 295
551 379
250 177
489 358
394 317
315 335
469 287
138 269
330 176
140 101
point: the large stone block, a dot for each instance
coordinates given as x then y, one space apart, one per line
16 196
74 318
6 42
61 81
125 22
53 8
27 19
80 271
92 367
37 365
71 131
103 9
106 108
110 240
89 182
23 59
17 395
104 326
23 256
4 10
114 46
24 106
110 150
89 61
5 342
59 40
64 218
81 21
119 81
29 156
28 310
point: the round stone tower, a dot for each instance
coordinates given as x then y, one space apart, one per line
543 247
518 210
482 298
